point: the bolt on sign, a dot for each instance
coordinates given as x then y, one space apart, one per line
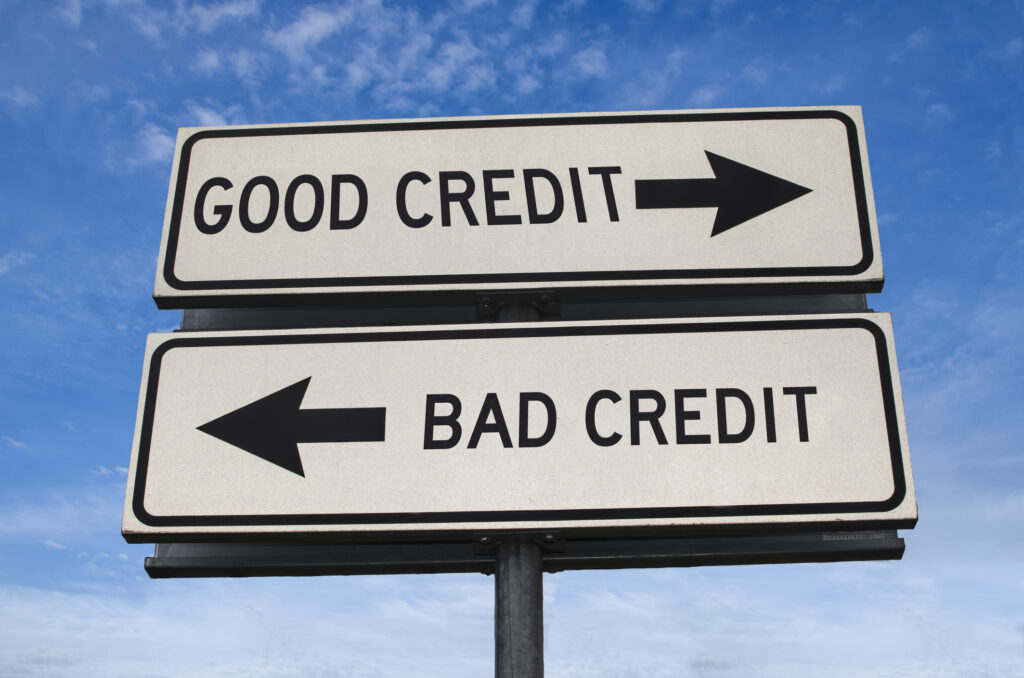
585 202
694 424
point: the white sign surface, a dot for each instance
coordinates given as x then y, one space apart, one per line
733 197
696 424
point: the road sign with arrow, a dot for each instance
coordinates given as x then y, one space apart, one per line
577 203
605 426
739 193
273 426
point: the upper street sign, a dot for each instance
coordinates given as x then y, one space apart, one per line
583 202
699 425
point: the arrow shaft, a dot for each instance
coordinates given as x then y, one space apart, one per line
669 193
346 425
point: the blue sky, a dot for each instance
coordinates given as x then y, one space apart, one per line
91 95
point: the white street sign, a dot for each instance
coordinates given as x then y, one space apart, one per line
741 198
602 426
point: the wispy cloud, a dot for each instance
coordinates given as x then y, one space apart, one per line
914 42
459 61
69 516
127 629
248 65
589 63
208 17
1011 50
759 71
16 444
93 93
148 21
207 61
834 85
938 112
314 24
104 471
706 95
652 88
522 16
645 6
18 97
206 116
13 260
153 144
70 11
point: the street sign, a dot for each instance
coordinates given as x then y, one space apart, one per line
581 204
618 427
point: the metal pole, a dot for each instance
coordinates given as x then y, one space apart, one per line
518 610
518 583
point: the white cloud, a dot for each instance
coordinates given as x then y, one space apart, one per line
16 444
477 77
721 5
286 628
70 11
522 15
645 6
248 65
204 116
313 25
916 40
68 517
939 113
834 85
452 61
13 260
54 546
550 45
706 95
207 61
759 71
912 43
153 145
652 87
1010 50
93 93
19 97
207 17
148 21
526 83
589 63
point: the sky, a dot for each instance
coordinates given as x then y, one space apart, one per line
91 96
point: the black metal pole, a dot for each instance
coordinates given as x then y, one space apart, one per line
518 610
518 583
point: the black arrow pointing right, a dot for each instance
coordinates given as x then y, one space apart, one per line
739 192
272 426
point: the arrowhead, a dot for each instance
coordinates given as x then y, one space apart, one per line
266 428
746 192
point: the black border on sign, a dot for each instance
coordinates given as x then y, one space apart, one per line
546 277
554 516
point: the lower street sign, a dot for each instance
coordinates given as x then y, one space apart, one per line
621 427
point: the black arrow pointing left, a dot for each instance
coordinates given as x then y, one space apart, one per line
272 427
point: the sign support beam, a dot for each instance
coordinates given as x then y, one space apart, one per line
518 582
518 610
